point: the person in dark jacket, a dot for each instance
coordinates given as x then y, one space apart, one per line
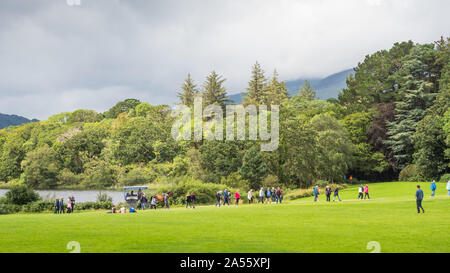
218 198
419 198
61 205
166 200
188 200
328 193
336 193
56 205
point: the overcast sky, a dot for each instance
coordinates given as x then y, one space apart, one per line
55 57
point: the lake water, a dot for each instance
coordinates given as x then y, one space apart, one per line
80 196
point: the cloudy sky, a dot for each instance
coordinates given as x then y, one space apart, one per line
56 57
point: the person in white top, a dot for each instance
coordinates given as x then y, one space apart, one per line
261 196
250 196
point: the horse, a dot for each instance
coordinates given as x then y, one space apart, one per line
160 197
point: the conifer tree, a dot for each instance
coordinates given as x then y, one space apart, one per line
306 92
275 92
256 86
214 91
189 91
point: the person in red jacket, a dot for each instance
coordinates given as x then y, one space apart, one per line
237 197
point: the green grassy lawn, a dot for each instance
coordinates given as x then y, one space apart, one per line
295 226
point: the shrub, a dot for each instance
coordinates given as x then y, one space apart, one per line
235 180
271 181
205 192
411 173
93 205
38 206
20 195
445 177
9 208
103 197
301 193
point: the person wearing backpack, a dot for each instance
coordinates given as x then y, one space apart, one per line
328 193
268 194
316 193
433 187
279 194
336 193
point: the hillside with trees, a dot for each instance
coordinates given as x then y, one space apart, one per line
390 122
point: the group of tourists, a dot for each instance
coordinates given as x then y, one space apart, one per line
60 207
328 191
363 190
269 196
190 200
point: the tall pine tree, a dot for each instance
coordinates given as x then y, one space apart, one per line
189 91
275 92
213 90
256 86
306 92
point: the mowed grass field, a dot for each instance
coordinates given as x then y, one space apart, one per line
390 218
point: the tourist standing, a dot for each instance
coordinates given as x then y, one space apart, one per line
273 193
261 196
448 187
153 202
166 200
419 198
143 201
268 194
250 196
433 187
316 193
56 205
237 196
61 205
328 193
188 200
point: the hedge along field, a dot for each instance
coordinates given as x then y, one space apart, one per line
295 226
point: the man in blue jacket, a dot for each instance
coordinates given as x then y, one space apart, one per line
419 198
433 187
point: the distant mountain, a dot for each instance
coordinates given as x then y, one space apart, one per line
12 120
328 87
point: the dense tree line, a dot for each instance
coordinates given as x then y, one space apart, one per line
392 119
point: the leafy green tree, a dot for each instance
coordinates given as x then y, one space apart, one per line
21 195
253 169
41 168
415 96
120 107
98 174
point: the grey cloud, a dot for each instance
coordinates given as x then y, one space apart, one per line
56 57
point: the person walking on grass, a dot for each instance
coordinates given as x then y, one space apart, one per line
226 197
448 187
268 194
250 196
328 193
188 200
279 194
336 193
261 196
144 201
166 200
153 203
273 193
360 192
316 193
69 206
237 197
56 205
366 192
218 198
433 187
61 205
419 198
